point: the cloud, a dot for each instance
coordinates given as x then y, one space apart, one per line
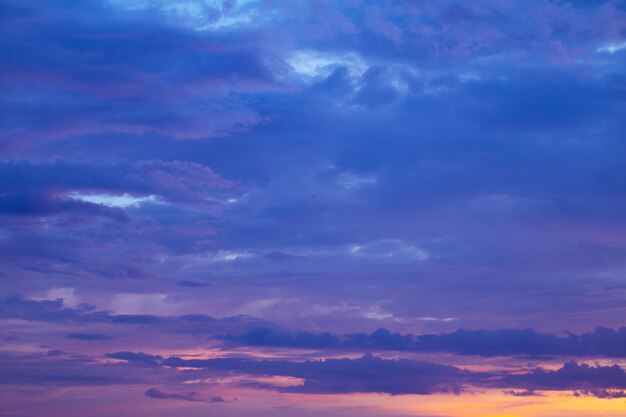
335 376
366 374
156 207
74 185
265 336
140 357
17 307
431 160
140 96
89 336
366 126
403 376
65 370
191 396
192 284
487 343
156 393
601 342
54 311
525 393
600 393
571 376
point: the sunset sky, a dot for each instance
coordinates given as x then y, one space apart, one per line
303 208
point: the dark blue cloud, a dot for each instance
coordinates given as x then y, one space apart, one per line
373 374
54 311
191 396
525 393
335 376
140 357
600 393
192 284
17 307
601 342
571 376
156 393
35 369
265 336
329 376
89 336
119 83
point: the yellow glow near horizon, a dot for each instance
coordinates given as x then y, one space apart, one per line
490 403
494 403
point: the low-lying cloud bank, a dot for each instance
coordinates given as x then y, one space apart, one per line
366 374
250 331
402 376
601 342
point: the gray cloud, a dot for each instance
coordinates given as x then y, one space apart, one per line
189 396
499 342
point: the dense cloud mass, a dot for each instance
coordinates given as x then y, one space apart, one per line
367 374
203 197
502 342
191 396
460 152
54 312
601 342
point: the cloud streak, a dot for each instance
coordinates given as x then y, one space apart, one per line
487 343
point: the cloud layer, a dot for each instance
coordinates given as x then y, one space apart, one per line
203 200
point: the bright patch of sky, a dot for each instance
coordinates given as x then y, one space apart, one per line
68 295
119 201
444 319
313 64
203 14
351 181
612 48
128 303
390 248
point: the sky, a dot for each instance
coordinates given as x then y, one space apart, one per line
232 208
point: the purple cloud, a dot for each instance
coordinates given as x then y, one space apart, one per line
600 393
191 396
487 343
367 374
572 376
89 336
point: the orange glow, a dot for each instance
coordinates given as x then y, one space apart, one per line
494 403
491 403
